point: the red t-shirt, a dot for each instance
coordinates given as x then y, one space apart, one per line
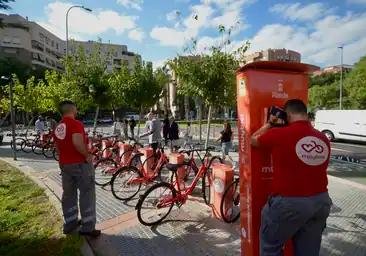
62 135
300 157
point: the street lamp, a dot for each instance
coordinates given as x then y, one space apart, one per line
67 23
12 111
341 80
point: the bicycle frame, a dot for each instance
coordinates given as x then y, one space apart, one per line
182 197
146 177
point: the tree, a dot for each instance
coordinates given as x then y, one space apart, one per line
210 75
355 85
87 77
4 5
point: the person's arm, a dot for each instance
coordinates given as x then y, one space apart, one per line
267 137
78 140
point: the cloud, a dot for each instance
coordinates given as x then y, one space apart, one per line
318 43
83 24
172 16
299 12
228 13
158 64
136 4
136 34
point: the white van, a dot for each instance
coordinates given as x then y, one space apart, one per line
342 124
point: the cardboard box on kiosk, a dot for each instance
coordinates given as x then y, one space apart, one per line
261 85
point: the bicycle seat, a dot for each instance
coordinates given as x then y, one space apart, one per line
173 167
137 154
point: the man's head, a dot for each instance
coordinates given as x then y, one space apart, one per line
40 117
296 110
150 116
67 108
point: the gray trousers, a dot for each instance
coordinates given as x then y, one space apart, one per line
300 218
78 177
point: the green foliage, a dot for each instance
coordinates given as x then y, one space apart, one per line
87 77
355 85
325 79
10 66
324 91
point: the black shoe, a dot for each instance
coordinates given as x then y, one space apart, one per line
94 233
72 230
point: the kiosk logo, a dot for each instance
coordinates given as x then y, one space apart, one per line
242 87
312 151
280 94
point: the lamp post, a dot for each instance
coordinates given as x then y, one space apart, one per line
12 111
341 80
67 23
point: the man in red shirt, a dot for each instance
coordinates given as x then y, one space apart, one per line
299 204
77 172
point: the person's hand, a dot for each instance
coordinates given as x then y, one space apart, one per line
274 119
89 158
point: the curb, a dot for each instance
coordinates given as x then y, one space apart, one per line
29 172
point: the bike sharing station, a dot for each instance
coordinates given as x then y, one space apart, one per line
260 86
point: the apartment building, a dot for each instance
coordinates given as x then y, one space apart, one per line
273 55
33 44
30 43
333 69
118 53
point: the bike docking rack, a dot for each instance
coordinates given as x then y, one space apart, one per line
260 86
222 176
348 159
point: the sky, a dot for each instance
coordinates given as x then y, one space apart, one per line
153 29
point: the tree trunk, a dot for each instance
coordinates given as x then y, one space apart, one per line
186 107
96 120
208 125
29 124
139 123
3 119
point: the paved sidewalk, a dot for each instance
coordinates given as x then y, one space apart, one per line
191 230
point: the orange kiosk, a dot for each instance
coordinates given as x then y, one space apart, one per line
261 85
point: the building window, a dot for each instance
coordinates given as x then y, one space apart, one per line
115 54
57 46
16 40
10 50
52 43
7 39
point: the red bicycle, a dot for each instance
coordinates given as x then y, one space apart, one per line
127 181
106 167
172 193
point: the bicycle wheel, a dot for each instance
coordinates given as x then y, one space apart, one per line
206 179
120 189
230 202
104 169
27 145
48 149
151 162
151 218
18 144
37 147
55 155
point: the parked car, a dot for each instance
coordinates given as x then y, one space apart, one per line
88 121
135 116
105 120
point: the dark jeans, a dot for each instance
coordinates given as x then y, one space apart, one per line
300 218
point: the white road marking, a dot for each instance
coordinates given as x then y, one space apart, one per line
343 150
349 145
